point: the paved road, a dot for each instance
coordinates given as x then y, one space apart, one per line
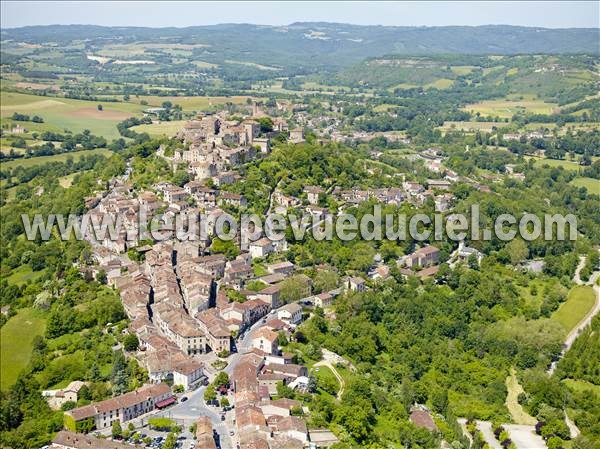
573 430
524 436
485 427
188 412
195 406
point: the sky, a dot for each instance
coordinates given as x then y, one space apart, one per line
558 14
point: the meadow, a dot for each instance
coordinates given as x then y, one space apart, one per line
17 340
189 104
30 162
61 114
591 184
506 108
473 126
579 302
567 165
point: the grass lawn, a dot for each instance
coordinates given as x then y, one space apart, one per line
17 337
591 184
30 162
581 385
168 129
567 165
507 108
579 302
518 414
325 376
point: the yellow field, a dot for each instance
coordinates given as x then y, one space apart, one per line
462 69
168 129
442 83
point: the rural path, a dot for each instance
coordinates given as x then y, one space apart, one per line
516 410
339 378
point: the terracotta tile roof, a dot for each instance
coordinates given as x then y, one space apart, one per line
138 396
422 418
80 441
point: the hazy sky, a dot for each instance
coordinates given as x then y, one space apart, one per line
560 14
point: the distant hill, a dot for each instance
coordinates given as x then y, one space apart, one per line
307 45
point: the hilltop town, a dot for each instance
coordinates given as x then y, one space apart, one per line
179 265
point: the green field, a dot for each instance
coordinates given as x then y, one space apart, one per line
17 337
168 129
67 181
582 385
507 108
591 184
567 165
23 274
579 302
30 162
442 83
63 113
473 126
190 103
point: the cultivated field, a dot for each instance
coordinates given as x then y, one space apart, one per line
567 165
63 113
168 129
190 103
473 126
507 108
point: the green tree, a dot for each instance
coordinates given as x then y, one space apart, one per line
117 431
131 342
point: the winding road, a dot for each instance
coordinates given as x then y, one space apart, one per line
574 333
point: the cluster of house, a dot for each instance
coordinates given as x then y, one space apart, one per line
413 192
176 313
524 137
214 145
66 439
122 408
56 398
171 297
263 422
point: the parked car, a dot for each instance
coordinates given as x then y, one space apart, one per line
183 399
